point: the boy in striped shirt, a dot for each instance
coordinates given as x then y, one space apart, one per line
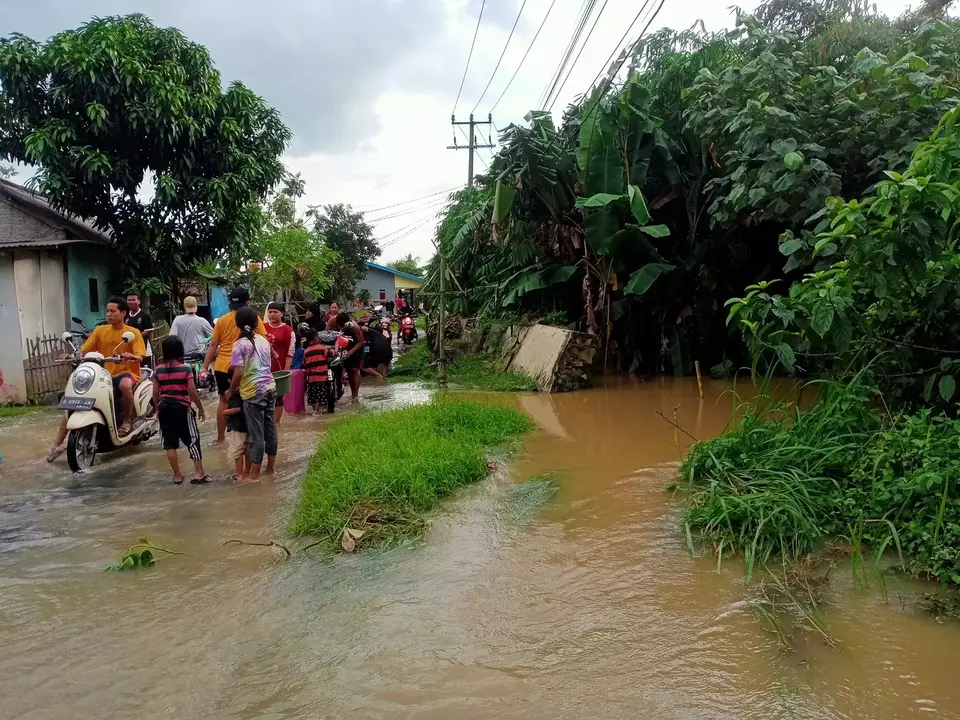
173 390
316 363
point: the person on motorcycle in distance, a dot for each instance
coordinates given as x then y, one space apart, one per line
126 373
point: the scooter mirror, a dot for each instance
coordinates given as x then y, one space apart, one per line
77 320
127 336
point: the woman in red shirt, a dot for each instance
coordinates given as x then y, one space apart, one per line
280 336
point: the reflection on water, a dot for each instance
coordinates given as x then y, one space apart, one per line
589 608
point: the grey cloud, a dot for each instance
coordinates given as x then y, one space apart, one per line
322 64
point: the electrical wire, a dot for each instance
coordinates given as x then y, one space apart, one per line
407 202
405 235
551 85
502 53
409 211
469 56
613 74
524 58
407 227
467 138
577 59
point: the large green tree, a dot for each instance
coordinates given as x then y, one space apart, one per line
348 234
129 126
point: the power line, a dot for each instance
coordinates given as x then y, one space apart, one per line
613 74
469 56
406 234
551 85
407 227
409 211
524 58
502 53
577 59
407 202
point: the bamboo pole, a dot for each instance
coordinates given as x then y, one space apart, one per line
696 365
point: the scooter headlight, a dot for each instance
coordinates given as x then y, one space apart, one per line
83 379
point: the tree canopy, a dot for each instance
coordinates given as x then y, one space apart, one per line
128 126
408 264
348 234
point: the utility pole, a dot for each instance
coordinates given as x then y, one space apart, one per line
472 141
443 319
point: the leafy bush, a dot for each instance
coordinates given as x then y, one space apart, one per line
382 472
783 480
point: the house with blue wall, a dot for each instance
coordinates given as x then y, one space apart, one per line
52 267
382 282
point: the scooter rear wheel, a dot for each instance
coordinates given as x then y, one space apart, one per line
82 448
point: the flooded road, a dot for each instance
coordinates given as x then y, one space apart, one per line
586 605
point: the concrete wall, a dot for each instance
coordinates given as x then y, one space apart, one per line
13 386
87 264
556 358
41 293
375 281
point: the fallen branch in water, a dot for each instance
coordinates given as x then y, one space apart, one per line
676 425
271 543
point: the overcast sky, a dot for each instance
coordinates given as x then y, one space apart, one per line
368 87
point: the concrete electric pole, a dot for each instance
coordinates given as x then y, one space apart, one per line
471 145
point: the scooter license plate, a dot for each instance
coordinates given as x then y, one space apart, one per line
76 403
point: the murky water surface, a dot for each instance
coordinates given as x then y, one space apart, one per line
587 607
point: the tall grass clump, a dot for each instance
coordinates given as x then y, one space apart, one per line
784 479
769 486
383 472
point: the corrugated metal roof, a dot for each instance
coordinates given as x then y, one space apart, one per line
37 206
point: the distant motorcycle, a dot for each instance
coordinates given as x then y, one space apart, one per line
204 381
408 330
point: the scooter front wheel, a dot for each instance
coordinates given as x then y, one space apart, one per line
82 448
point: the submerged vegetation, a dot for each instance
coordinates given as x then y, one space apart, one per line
376 476
473 372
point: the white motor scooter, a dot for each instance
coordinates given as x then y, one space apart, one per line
92 407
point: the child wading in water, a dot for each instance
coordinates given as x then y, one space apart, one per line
237 438
253 379
316 363
173 391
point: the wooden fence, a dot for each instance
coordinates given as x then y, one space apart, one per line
43 371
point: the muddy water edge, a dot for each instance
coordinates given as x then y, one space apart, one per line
589 606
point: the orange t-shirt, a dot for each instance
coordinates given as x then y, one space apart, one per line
104 340
227 333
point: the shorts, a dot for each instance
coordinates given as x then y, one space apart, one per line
118 378
236 444
223 382
318 393
178 422
353 362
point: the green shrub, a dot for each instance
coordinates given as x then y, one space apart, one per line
783 480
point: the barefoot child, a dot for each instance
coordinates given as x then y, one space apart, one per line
316 363
237 438
172 393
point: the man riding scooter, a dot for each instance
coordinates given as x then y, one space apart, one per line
126 374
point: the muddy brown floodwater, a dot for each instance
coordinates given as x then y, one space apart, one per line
588 607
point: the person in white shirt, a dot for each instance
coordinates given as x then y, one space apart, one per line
192 329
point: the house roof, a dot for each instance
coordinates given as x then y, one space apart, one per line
390 270
37 206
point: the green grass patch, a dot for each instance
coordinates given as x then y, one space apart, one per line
15 411
383 472
783 481
475 372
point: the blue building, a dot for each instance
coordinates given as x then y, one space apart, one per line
383 282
